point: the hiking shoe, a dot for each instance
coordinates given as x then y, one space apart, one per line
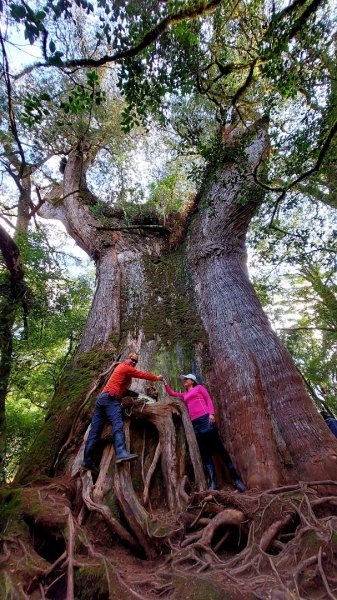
120 448
90 467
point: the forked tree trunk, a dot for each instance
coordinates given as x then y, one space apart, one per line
191 309
141 303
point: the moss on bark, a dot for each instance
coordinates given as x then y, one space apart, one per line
157 305
99 583
170 312
11 506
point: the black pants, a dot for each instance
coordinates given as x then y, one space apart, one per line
209 443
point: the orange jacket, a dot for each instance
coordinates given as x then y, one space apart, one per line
121 379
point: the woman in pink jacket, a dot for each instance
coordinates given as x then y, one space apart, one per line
201 410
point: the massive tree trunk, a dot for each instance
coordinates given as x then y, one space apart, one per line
191 308
142 302
273 429
194 308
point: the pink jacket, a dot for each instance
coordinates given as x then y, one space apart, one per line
197 399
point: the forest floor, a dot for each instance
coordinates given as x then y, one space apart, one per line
279 544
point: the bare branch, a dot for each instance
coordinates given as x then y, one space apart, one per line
11 113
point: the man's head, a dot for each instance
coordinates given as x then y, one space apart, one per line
132 358
325 415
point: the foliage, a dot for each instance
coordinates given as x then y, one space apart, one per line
82 97
294 273
57 309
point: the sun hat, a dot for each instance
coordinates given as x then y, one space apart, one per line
189 376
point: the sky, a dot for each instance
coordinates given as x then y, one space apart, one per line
20 56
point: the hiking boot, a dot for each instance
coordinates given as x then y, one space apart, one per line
88 466
213 484
120 448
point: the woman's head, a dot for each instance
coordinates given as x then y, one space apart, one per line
189 381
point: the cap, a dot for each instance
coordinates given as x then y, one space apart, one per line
189 376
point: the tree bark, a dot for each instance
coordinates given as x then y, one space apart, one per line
24 204
142 302
268 420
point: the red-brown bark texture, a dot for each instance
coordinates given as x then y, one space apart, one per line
273 429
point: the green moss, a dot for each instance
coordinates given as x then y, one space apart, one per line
91 582
312 540
164 311
112 504
198 588
11 505
169 311
334 538
8 588
155 528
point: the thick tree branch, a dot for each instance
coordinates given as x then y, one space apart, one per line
283 190
41 201
298 24
186 14
245 84
153 227
7 221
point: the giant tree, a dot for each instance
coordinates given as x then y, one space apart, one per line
185 302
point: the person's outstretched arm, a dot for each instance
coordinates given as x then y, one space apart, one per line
171 392
143 375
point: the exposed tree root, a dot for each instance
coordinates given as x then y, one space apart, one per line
150 530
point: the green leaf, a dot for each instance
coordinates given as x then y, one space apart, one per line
18 11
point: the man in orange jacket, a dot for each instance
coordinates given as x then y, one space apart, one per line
108 408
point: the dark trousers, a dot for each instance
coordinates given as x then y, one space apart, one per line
209 443
108 409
